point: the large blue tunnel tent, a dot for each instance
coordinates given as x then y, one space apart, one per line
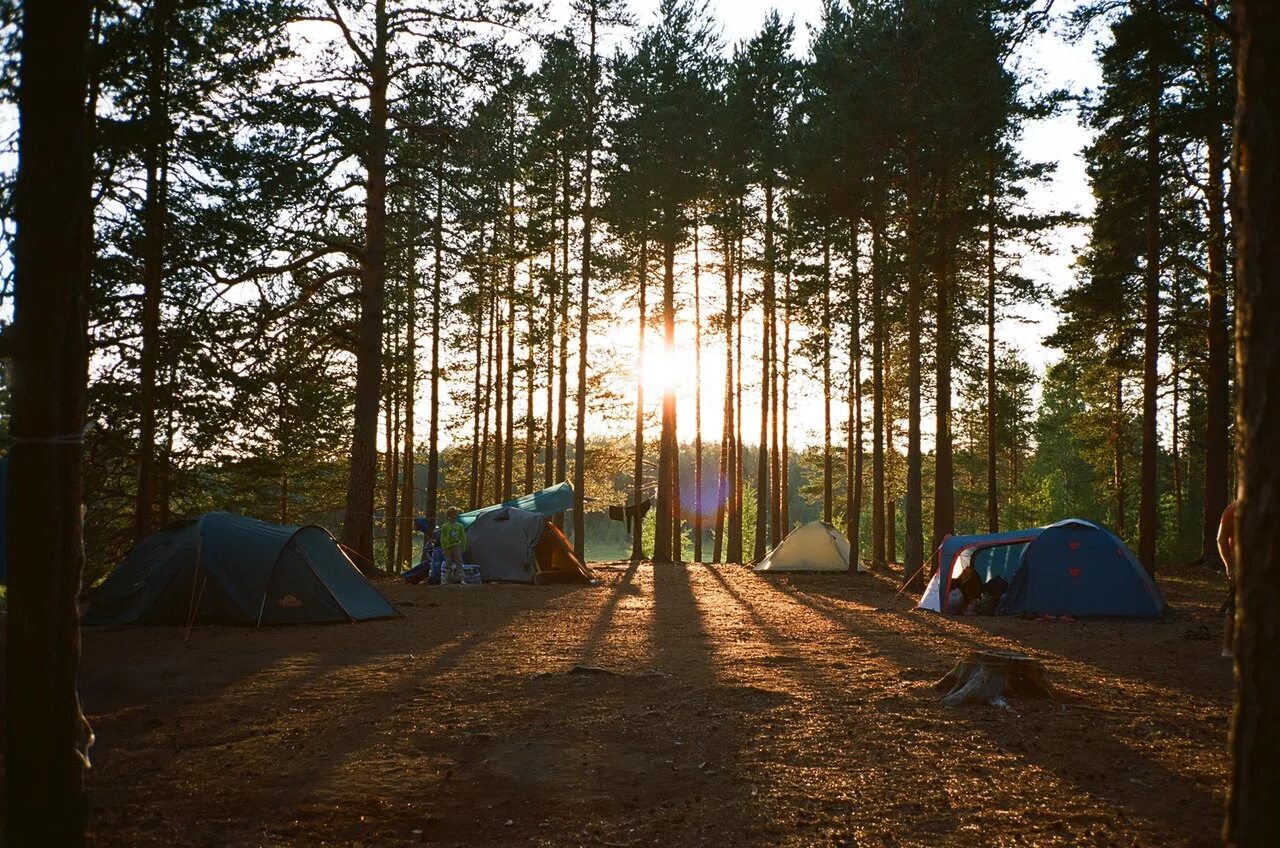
220 568
1074 567
549 501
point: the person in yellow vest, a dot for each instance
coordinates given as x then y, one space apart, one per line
1227 550
453 541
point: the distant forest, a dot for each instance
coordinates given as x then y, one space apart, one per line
358 260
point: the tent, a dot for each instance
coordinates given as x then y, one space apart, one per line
548 501
817 546
1074 567
220 568
518 546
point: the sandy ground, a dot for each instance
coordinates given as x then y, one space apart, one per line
781 711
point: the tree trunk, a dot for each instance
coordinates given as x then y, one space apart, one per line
562 388
155 218
666 525
433 436
993 502
389 479
45 734
407 491
944 499
531 386
878 549
697 393
584 313
477 435
1118 437
642 319
553 311
357 523
763 492
992 676
827 469
1217 411
1254 796
487 409
913 547
855 394
736 542
509 455
1148 509
728 451
497 345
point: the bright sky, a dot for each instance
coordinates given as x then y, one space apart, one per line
1049 60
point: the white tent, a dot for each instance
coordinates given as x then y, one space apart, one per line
817 546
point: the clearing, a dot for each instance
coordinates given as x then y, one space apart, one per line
727 709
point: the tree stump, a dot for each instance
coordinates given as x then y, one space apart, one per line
992 676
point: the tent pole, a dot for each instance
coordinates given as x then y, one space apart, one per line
195 579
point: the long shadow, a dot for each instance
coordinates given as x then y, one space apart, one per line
595 637
1101 751
293 735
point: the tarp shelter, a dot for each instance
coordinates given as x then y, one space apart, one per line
817 546
1074 567
518 546
220 568
548 501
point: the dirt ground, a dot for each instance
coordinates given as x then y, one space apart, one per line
743 710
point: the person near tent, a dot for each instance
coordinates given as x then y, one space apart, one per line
1227 550
453 540
966 588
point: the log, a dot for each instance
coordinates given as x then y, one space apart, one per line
993 676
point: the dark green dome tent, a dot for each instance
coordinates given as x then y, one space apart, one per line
220 568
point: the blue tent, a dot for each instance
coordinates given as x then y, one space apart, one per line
1074 567
550 501
220 568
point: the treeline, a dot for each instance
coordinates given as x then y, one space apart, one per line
339 241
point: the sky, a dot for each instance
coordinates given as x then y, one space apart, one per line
1052 62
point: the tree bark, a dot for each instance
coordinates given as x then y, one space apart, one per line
155 218
913 547
944 499
827 469
763 491
878 551
45 734
584 314
697 393
407 491
437 272
1148 508
855 460
993 501
666 526
642 318
1254 798
357 523
1217 410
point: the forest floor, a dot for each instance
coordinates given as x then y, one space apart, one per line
735 710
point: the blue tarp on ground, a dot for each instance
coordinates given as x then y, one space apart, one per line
220 568
558 498
1074 567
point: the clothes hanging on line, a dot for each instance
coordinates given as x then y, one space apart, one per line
631 513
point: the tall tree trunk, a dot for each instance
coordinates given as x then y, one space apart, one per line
497 345
437 272
407 505
531 387
878 550
736 542
913 547
584 307
1117 436
944 499
562 389
1254 797
666 526
1148 512
155 217
45 734
993 502
389 480
357 523
509 457
697 392
728 452
763 491
477 400
854 511
827 468
642 319
784 457
1217 411
553 333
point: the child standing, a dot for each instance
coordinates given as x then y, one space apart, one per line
453 539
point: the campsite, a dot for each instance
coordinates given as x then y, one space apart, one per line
620 423
738 709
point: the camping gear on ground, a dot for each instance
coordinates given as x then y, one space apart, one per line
471 575
631 514
220 568
548 501
817 546
514 545
1074 567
